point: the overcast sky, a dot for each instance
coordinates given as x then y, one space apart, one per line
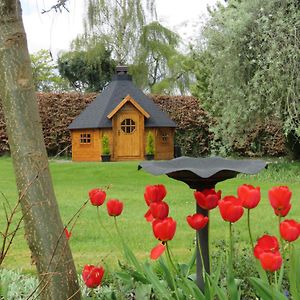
55 31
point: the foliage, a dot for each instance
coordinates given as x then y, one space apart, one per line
87 69
44 72
252 67
159 66
150 146
15 285
105 145
118 24
152 50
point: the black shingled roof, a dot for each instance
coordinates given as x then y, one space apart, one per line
95 114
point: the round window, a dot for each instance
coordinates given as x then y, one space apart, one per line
128 126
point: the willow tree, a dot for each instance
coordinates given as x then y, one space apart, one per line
159 66
119 23
44 230
253 67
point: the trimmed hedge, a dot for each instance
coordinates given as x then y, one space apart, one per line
192 134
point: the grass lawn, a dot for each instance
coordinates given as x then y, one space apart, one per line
91 244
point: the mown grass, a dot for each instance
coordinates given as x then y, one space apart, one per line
90 243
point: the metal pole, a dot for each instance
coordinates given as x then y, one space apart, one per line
202 237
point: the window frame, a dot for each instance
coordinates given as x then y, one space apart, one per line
85 138
129 126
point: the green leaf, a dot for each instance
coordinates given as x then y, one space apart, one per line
208 289
125 277
265 291
131 257
221 293
294 273
143 291
157 284
231 283
190 289
166 273
191 262
262 273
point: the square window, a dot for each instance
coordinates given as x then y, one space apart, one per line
164 137
85 138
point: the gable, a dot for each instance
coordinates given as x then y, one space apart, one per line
126 100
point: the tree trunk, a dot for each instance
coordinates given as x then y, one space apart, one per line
43 224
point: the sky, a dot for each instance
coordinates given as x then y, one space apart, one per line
54 31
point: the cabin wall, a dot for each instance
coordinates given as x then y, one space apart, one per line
83 150
164 142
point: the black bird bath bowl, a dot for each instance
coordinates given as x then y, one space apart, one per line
200 174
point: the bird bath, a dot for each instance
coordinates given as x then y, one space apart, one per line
200 174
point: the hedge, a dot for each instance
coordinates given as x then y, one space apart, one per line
192 134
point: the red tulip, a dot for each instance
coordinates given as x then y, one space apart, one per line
280 197
197 221
92 276
249 195
114 207
159 210
282 212
67 233
231 208
270 261
97 197
154 193
266 243
164 230
157 251
148 216
207 198
289 230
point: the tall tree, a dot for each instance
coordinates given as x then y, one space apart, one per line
254 49
44 72
87 68
43 224
159 66
119 23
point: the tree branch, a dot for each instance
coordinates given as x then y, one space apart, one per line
58 7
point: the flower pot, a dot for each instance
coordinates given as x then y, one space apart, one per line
105 158
149 156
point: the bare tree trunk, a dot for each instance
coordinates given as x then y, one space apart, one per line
43 224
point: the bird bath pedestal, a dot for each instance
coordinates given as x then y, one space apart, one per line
200 174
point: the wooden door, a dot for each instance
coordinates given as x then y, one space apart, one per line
128 135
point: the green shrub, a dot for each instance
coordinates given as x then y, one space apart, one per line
15 285
150 149
105 145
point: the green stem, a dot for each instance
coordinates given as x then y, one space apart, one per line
281 240
201 255
233 292
275 280
93 294
118 231
249 229
230 242
172 266
170 257
104 228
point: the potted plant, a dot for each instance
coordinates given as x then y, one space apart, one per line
105 149
150 149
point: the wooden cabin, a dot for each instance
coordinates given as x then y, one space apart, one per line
126 115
